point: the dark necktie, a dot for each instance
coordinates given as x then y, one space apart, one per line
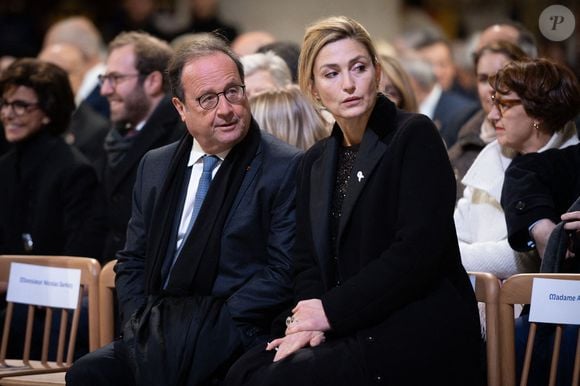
209 163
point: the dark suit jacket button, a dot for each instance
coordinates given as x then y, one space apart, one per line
115 199
370 339
338 283
378 379
520 205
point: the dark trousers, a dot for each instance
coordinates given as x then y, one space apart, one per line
335 363
106 366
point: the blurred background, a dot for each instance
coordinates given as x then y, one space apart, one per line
24 22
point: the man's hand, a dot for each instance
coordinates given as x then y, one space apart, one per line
572 220
294 342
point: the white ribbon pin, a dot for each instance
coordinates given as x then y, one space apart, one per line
360 176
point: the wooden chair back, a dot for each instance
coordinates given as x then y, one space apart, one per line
107 302
90 269
518 290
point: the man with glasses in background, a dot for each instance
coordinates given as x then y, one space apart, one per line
207 265
143 118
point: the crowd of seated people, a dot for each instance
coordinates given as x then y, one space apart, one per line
513 150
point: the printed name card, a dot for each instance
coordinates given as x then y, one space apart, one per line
44 286
555 301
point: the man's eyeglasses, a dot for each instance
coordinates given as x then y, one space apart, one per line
504 105
18 107
233 94
114 78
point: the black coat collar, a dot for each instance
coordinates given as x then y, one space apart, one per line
381 125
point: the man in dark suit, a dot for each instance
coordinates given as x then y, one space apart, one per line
447 109
143 119
88 128
200 279
81 33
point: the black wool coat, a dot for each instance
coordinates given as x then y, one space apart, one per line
163 127
49 192
400 288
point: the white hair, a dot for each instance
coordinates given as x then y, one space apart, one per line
270 62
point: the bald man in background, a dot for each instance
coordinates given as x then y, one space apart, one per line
80 32
249 42
88 129
512 32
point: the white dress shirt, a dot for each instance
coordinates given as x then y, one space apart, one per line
196 163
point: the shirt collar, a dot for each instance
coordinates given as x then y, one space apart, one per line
197 154
427 107
89 82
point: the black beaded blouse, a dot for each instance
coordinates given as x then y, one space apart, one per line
345 163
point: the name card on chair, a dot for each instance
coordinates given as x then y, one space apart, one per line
555 301
44 286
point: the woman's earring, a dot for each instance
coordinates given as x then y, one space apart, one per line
45 121
536 125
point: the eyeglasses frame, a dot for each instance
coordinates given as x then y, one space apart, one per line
504 105
25 106
114 78
241 86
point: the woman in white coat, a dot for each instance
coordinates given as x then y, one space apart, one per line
534 103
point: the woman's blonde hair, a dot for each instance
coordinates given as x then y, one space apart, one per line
393 70
320 34
288 115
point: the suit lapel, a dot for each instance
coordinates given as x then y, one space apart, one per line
251 172
321 188
371 151
154 128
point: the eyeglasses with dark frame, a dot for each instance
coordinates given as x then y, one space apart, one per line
233 94
18 107
504 105
115 78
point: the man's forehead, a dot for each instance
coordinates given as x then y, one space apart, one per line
210 69
216 58
122 56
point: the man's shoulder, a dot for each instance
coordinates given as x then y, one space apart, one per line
568 156
161 153
276 148
165 118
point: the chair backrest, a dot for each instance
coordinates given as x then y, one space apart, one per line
518 290
90 269
487 287
107 302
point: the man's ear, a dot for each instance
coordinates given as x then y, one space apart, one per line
179 106
153 83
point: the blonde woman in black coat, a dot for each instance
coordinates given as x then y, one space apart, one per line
381 295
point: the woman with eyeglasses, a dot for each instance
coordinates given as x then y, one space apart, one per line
478 130
533 106
47 204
